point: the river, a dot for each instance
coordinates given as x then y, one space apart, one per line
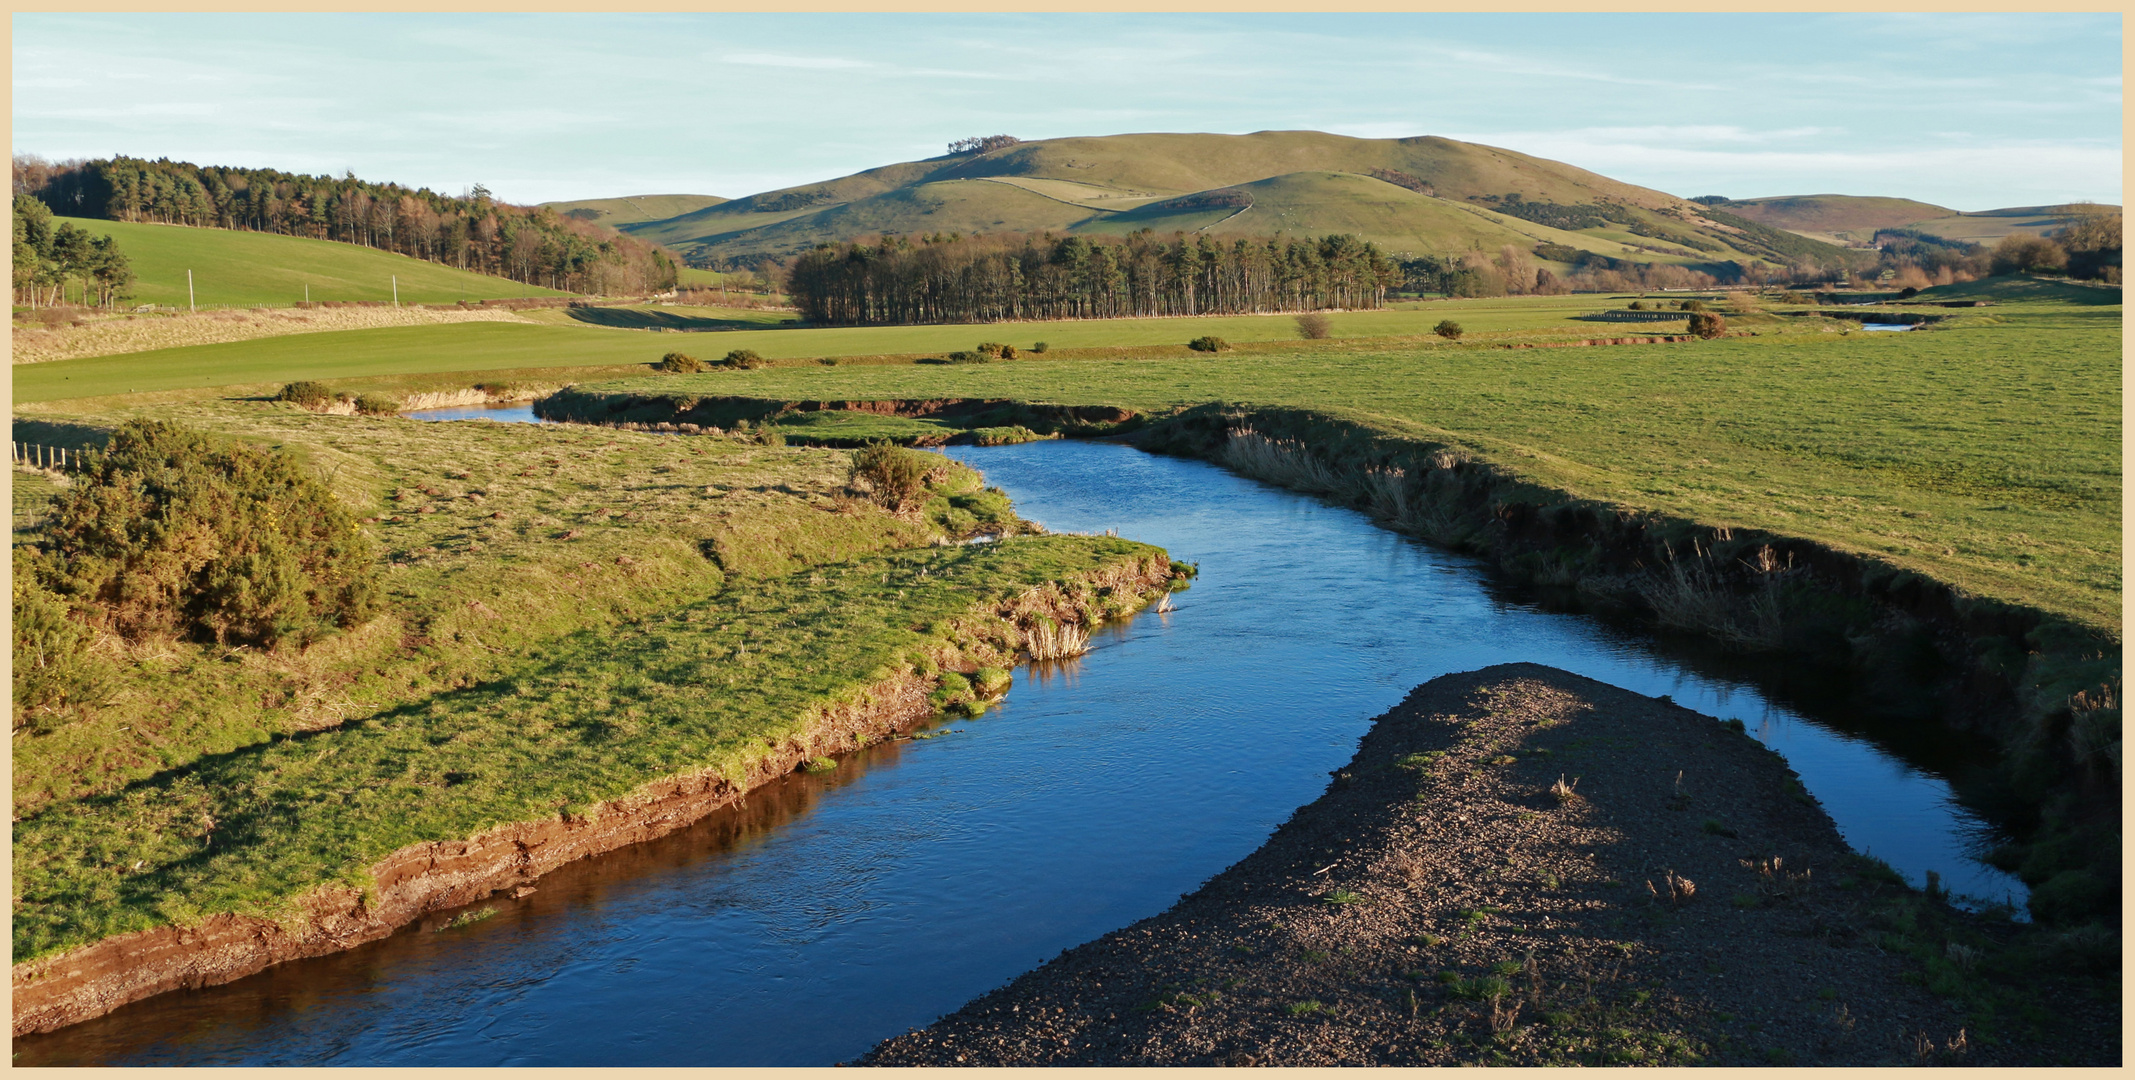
833 911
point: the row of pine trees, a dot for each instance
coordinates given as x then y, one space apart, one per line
472 231
56 265
990 278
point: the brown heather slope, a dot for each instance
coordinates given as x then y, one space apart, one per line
1440 905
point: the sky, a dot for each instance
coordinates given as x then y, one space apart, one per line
1967 111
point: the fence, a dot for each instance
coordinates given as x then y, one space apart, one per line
1634 316
34 456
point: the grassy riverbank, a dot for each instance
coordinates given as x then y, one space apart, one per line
570 614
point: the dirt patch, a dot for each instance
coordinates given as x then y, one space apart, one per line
1678 899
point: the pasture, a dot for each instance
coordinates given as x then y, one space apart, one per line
248 269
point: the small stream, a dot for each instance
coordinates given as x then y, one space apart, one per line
833 911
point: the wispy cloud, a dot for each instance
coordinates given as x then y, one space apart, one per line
782 60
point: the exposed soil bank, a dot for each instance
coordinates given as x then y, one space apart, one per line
422 878
1441 905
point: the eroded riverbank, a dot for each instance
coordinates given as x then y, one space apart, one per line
1519 866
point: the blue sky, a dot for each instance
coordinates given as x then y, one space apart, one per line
1969 111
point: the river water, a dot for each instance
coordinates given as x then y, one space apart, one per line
833 911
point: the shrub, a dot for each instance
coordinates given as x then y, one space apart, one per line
1040 347
896 476
168 531
1449 330
1693 305
682 363
1638 305
55 674
1208 344
991 348
2021 253
1008 352
745 359
310 395
1313 327
377 404
1908 293
968 357
495 389
1707 325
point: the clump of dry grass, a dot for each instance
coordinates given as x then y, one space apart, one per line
1049 640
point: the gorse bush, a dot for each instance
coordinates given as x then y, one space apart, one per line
745 359
310 395
1707 325
1313 327
1451 331
1040 347
170 532
377 404
966 356
55 673
995 349
897 477
682 363
1208 344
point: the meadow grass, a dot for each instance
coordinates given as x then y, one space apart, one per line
1985 454
249 269
478 347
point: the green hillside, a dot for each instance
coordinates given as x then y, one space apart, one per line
631 209
1825 217
2014 289
1988 226
1424 194
249 269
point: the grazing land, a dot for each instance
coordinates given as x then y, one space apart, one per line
566 339
248 269
1525 867
632 209
1984 453
113 335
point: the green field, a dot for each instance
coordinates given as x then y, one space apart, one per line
248 269
1985 455
569 343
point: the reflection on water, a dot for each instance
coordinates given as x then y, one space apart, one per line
832 912
521 412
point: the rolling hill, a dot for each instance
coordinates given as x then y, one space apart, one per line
251 269
633 209
1842 219
1826 217
1421 195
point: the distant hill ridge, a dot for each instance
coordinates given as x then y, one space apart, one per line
1422 195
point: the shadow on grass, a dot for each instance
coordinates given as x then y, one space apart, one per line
627 318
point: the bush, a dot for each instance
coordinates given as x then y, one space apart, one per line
1638 305
2021 253
55 674
1693 305
170 532
1706 325
310 395
1040 347
682 363
896 477
1908 293
745 359
1313 327
991 348
495 389
1008 352
1208 344
377 404
1450 330
968 357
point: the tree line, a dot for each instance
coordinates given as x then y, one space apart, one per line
53 265
472 231
899 280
